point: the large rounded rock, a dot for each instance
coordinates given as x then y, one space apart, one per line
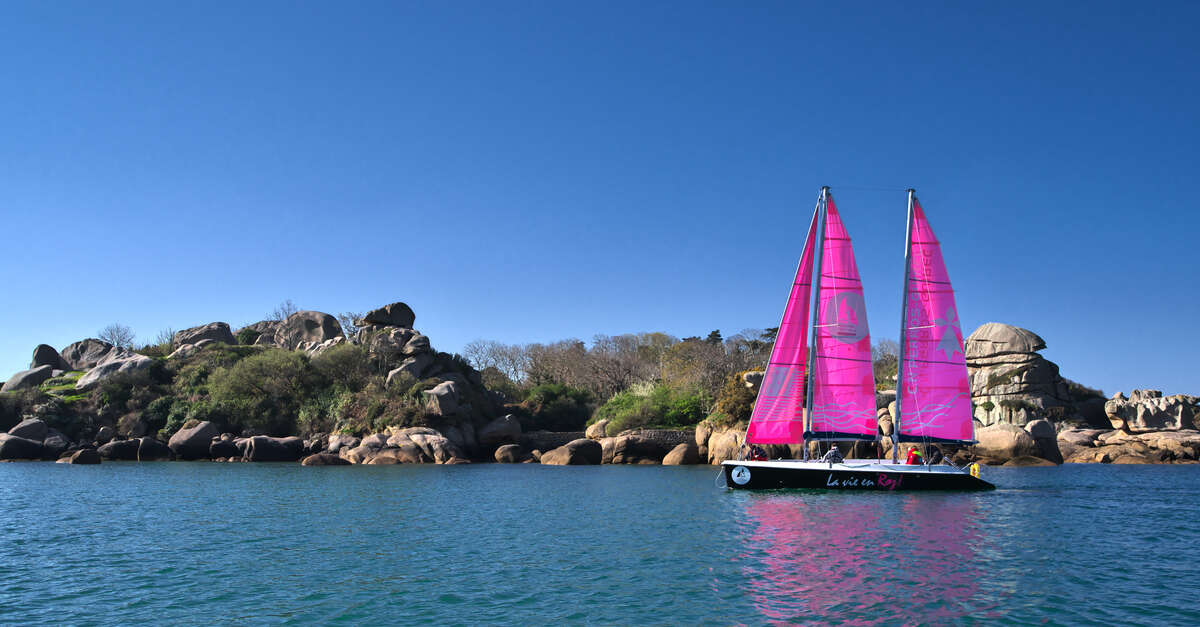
433 445
414 367
725 445
510 454
30 429
995 338
634 449
265 330
337 442
215 331
393 315
378 440
105 435
306 326
84 456
684 454
597 430
85 354
268 449
1044 435
120 450
45 355
1072 441
151 450
54 445
574 453
324 459
1002 442
193 443
443 399
127 363
223 449
384 340
27 379
359 454
503 430
15 447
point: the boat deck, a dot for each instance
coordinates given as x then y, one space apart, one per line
853 474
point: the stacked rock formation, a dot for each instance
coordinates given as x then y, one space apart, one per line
1010 381
1149 410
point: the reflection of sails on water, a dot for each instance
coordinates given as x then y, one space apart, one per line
859 559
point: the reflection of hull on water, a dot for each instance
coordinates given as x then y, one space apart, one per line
849 475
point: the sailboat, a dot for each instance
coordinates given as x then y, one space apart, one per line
819 384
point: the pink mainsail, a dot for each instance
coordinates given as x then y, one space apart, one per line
843 381
935 396
778 416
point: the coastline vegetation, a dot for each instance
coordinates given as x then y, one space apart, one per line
641 380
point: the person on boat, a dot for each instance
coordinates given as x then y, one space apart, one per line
834 456
757 453
914 456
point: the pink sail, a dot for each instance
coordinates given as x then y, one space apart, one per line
843 381
778 416
935 396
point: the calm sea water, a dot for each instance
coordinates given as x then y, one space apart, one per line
500 544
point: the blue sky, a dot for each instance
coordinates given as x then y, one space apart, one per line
530 171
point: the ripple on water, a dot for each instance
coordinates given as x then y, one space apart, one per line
280 543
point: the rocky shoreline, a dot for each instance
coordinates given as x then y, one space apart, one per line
1002 444
385 396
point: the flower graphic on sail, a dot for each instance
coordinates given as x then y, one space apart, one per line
778 416
935 392
843 381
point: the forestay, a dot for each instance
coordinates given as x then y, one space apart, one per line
778 416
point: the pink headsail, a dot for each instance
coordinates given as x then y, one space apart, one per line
778 416
935 402
843 381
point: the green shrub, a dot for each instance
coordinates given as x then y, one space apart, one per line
659 407
15 404
736 400
157 413
324 413
555 407
247 336
1016 404
343 366
496 381
155 351
264 392
987 405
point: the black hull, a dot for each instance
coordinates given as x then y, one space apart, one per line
828 478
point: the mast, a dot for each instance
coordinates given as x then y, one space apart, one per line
903 331
819 254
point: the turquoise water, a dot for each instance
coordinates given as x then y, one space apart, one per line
517 544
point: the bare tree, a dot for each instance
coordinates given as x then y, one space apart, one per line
165 336
347 320
283 310
510 359
885 348
118 335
